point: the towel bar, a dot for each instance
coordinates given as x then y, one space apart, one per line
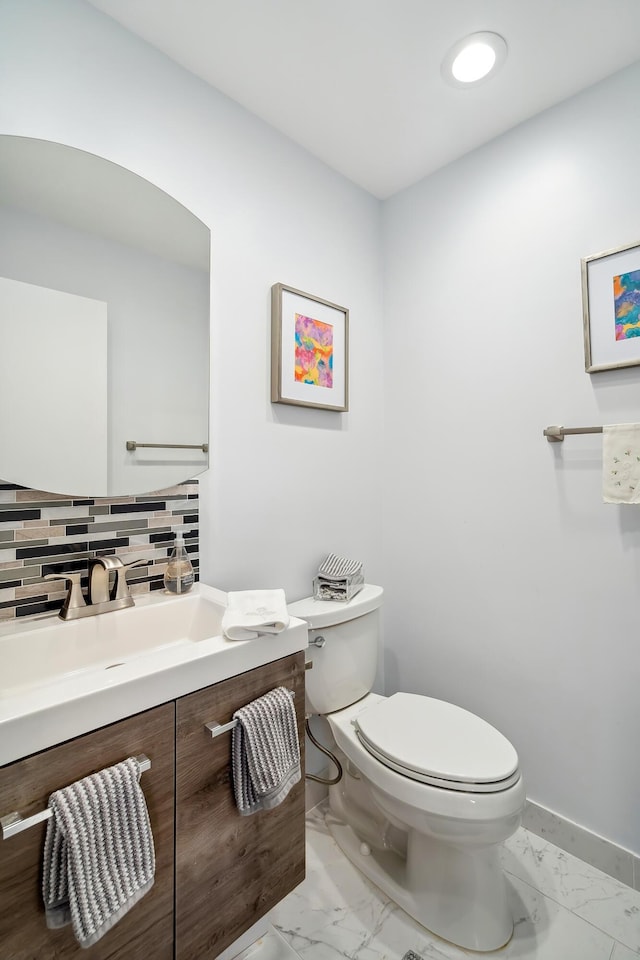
15 823
215 729
134 445
557 434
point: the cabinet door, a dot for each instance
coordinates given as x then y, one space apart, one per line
230 870
147 930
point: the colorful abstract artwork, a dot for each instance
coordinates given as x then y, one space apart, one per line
313 351
626 292
309 350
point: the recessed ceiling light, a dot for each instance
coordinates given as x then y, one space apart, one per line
473 59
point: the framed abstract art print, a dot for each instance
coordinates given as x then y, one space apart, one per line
309 350
611 309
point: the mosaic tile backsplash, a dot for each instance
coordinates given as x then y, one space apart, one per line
43 533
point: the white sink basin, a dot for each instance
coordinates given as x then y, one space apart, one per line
53 650
60 679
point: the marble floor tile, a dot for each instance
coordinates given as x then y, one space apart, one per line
590 894
338 913
271 946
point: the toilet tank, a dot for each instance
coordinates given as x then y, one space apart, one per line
344 666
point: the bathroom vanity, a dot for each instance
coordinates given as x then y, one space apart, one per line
217 873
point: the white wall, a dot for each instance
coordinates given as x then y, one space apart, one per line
286 485
519 591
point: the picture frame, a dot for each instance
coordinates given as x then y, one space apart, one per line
309 350
611 308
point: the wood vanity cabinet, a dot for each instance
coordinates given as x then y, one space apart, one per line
147 930
229 870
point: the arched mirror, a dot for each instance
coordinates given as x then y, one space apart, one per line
104 326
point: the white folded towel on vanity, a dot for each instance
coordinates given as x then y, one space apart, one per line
621 463
99 858
252 612
265 751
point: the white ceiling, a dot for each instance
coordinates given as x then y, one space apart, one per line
358 83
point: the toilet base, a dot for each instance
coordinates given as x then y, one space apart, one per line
459 894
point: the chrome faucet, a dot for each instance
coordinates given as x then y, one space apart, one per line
99 577
101 597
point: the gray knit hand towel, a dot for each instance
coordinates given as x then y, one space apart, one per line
265 752
99 858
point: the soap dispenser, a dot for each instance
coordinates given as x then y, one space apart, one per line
178 577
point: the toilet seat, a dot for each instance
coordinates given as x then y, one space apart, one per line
437 743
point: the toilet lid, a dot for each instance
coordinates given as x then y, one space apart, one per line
439 743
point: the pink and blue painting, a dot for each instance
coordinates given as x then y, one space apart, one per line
314 351
626 293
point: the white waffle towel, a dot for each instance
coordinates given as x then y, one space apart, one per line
265 751
621 463
252 612
99 858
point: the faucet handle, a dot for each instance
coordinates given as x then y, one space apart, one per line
74 599
122 587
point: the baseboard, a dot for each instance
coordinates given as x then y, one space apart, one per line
600 853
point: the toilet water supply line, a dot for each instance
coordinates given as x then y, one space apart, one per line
327 753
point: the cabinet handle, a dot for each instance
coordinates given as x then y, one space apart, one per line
215 728
15 823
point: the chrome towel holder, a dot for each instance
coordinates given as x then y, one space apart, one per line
15 823
216 729
135 445
557 434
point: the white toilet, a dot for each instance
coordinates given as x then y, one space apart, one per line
429 790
